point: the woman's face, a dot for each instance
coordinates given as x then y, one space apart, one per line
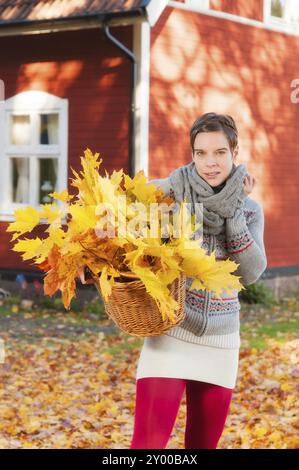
212 154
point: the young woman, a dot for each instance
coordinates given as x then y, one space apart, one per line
201 354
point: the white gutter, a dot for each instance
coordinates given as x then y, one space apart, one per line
141 49
154 10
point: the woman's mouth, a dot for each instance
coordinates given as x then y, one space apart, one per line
212 175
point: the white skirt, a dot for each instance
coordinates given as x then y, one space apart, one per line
166 356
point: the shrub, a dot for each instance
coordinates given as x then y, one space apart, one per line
257 293
95 306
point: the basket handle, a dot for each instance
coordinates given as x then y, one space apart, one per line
128 274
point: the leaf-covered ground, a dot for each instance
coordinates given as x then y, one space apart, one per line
68 381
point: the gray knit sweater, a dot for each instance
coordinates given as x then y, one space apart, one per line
214 321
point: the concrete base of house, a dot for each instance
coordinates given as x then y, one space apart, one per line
83 293
283 286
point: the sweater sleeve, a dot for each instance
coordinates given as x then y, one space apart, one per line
245 244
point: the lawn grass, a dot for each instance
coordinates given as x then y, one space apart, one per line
258 324
256 337
251 337
128 343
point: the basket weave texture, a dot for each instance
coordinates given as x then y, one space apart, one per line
134 310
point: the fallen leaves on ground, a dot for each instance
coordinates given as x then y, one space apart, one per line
61 393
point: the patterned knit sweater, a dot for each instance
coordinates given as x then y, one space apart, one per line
214 321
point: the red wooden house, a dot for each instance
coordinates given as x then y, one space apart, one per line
127 78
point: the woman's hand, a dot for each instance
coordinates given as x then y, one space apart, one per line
84 277
249 183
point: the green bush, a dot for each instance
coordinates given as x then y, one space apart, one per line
55 303
58 303
76 305
95 306
50 303
13 299
257 293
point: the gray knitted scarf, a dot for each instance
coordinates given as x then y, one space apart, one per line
187 183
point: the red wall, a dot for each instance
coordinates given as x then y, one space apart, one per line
200 63
94 75
249 8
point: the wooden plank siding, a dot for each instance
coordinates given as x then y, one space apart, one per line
252 9
201 63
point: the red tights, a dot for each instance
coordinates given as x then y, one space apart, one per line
157 404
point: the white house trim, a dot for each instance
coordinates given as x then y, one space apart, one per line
195 5
154 10
266 24
141 49
2 146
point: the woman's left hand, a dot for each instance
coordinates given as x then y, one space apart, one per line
249 183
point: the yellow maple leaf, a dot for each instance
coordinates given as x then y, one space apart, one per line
275 436
29 247
87 181
260 431
26 219
142 190
159 291
52 213
106 285
286 387
83 218
168 276
217 277
56 238
63 196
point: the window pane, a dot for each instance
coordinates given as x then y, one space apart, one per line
48 179
20 130
48 129
20 180
285 9
276 8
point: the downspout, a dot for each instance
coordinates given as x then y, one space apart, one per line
133 88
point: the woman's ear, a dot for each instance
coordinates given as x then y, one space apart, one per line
235 153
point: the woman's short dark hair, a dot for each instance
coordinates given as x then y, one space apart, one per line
212 122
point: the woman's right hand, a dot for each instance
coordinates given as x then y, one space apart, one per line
249 183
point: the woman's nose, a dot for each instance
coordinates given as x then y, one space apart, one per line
211 162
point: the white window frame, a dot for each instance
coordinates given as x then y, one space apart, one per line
31 103
284 25
198 3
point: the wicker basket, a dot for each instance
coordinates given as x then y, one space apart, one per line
135 312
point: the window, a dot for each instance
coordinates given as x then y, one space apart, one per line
284 13
287 10
33 151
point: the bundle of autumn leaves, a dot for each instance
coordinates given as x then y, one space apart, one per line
75 239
